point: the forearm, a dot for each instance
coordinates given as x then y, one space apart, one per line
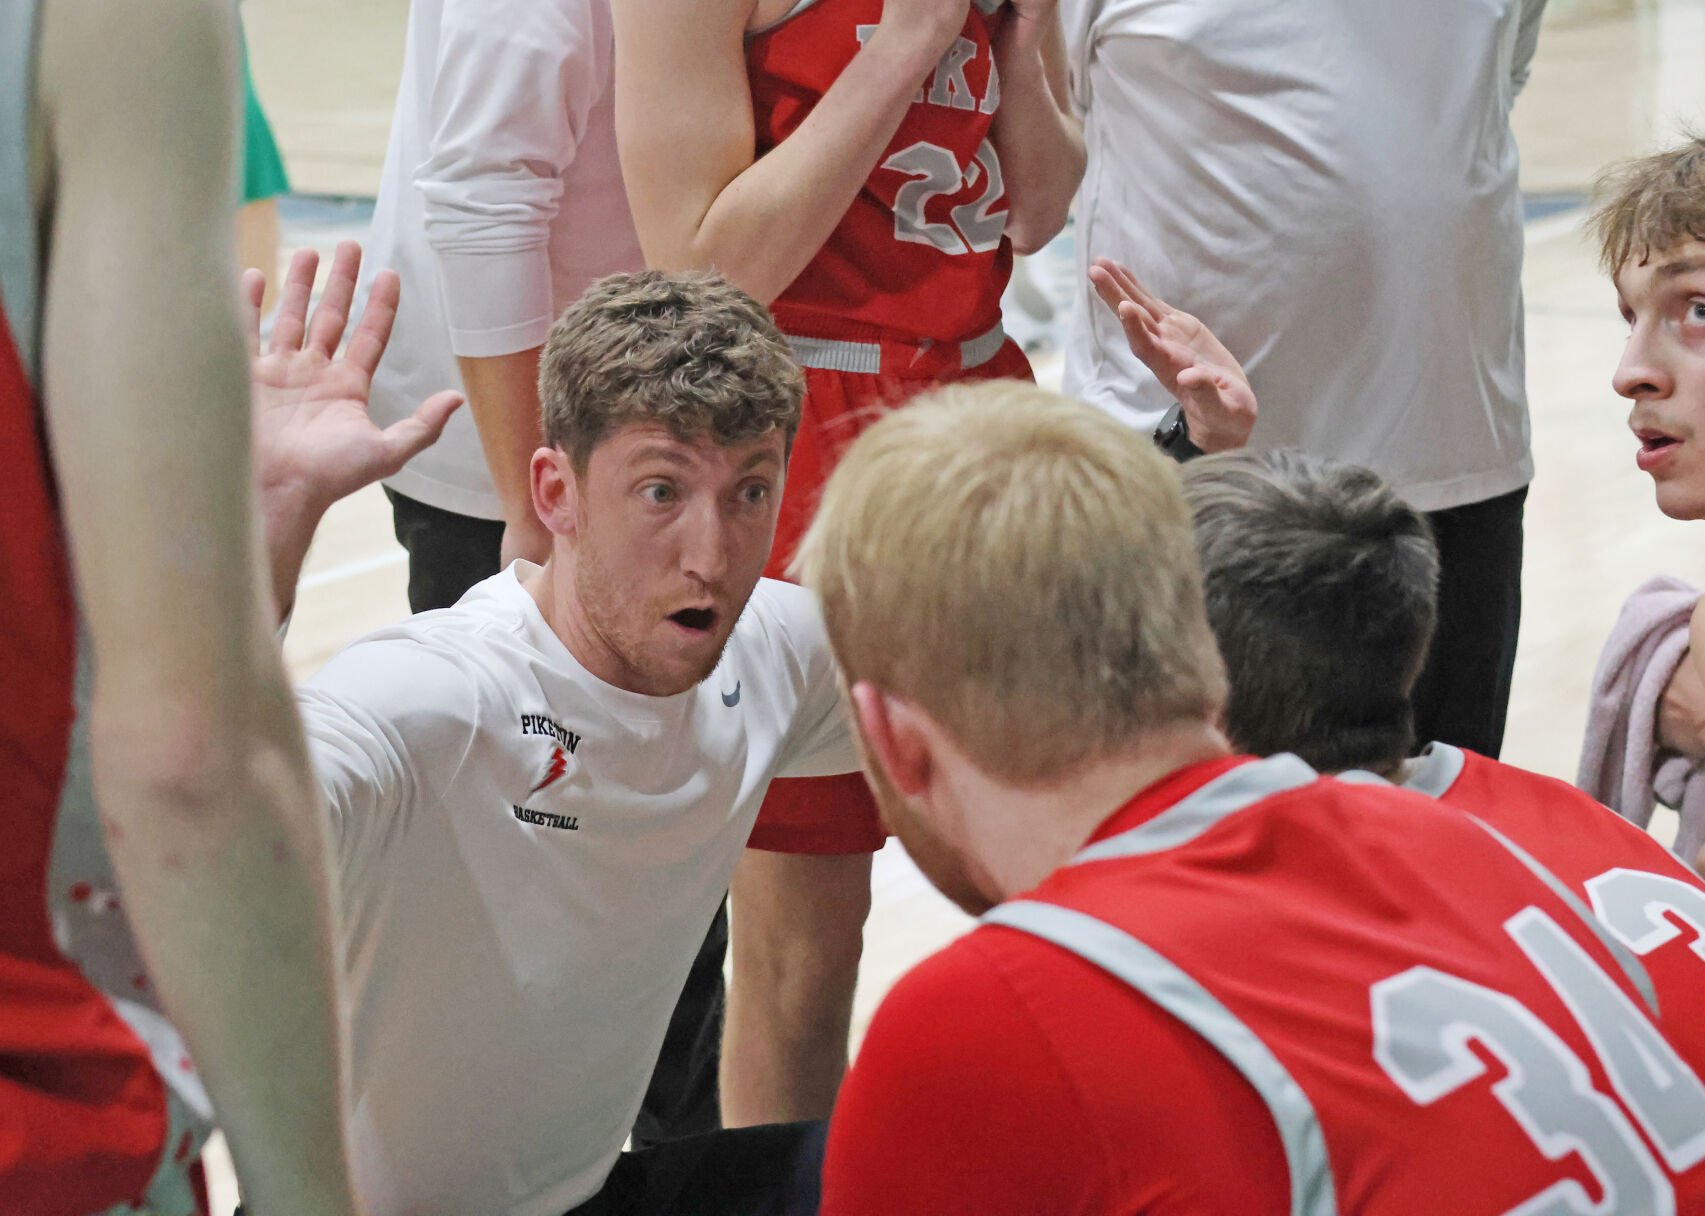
220 821
289 519
771 1075
798 925
766 224
1039 141
503 393
198 766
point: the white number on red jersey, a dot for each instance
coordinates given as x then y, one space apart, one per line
977 227
1632 903
1425 1019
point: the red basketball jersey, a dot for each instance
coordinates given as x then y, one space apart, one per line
1431 1025
82 1111
922 251
1638 889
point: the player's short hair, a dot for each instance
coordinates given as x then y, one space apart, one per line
1021 567
688 350
1322 590
1650 204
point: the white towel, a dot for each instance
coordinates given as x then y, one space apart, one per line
1621 763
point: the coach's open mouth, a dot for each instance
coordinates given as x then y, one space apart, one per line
697 620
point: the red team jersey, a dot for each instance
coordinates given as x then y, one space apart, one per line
88 1120
82 1111
922 252
1639 890
903 296
1258 991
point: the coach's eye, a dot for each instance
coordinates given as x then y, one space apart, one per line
755 493
659 493
1696 312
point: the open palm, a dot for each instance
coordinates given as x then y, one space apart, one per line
313 438
1185 356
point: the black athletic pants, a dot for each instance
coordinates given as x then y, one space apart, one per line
1463 695
447 554
774 1170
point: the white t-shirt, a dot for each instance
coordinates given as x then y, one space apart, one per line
501 200
1331 186
529 859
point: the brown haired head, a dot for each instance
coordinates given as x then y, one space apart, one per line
1649 205
688 350
1021 567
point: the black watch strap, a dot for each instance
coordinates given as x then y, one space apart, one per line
1172 436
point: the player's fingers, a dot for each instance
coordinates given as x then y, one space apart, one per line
1151 303
331 314
290 322
251 291
1138 298
406 439
1141 329
1106 286
373 331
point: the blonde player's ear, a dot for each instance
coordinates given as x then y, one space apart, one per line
555 488
894 741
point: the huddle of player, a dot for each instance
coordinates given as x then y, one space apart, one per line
1093 699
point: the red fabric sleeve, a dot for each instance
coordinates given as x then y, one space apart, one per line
972 1098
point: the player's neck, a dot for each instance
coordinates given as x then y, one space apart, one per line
1023 834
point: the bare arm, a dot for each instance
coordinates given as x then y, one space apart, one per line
514 92
1039 139
503 392
700 195
212 822
798 930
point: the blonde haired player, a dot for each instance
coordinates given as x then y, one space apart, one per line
1203 983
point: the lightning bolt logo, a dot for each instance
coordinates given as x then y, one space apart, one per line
559 766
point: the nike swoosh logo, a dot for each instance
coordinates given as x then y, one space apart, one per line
732 699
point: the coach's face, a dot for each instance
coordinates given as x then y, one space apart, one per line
665 539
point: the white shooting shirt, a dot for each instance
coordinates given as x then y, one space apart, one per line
501 200
529 859
1330 185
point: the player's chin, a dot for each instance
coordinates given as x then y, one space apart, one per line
680 663
1683 496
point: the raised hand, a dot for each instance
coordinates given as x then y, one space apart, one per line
1184 356
313 440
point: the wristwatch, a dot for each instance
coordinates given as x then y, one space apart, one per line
1172 436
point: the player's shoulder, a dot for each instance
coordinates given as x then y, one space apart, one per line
959 1008
1480 777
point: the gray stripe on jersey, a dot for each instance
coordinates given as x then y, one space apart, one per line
1127 959
19 270
1435 770
1185 820
1625 958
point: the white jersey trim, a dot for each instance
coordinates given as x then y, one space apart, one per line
1184 821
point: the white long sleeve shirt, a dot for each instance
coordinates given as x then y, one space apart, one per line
501 199
529 859
1331 186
